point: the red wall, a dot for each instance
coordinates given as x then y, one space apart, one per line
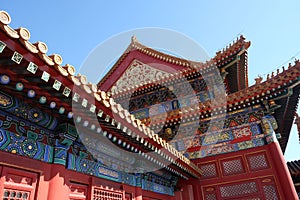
43 181
257 173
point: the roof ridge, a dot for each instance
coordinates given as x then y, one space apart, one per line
232 48
269 80
189 64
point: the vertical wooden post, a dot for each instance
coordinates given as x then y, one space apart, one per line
57 186
138 194
286 183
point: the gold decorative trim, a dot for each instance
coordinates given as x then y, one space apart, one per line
210 189
267 180
236 181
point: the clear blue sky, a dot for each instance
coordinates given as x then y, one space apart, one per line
73 29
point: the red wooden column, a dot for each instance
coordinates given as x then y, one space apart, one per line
43 186
188 192
138 193
178 195
57 186
286 183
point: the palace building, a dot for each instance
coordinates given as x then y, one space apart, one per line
156 127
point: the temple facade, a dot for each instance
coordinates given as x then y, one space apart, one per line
156 127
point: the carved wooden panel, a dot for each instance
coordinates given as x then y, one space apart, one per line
232 166
137 73
16 184
78 191
100 193
257 161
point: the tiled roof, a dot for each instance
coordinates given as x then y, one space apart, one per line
189 66
46 73
294 168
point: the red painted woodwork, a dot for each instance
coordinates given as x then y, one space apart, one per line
78 191
44 181
17 184
258 173
128 196
101 193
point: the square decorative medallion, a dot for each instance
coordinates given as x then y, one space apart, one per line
93 108
56 85
45 76
2 46
100 113
17 58
76 97
32 67
84 103
67 91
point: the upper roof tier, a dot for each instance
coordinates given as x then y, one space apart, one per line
148 55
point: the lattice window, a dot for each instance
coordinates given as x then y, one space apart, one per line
10 194
238 189
209 170
210 197
17 184
233 167
103 194
257 162
270 192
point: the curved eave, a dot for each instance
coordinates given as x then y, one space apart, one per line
90 101
179 64
154 56
294 168
285 116
256 94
